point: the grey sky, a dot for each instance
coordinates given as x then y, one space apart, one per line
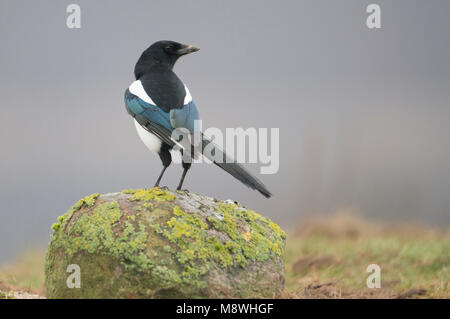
364 115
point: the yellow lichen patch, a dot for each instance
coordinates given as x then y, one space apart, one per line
153 194
177 211
179 228
251 236
276 249
246 235
277 229
129 191
88 201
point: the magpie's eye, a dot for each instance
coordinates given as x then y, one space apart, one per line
169 48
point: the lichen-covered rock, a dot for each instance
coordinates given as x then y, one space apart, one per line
159 243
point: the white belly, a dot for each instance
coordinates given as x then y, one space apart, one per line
152 142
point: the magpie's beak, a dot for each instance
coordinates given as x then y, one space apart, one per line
187 49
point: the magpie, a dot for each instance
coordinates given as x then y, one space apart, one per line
160 102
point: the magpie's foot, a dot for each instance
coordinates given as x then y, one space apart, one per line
162 187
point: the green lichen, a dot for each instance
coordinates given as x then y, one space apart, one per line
154 194
95 233
258 237
156 237
250 239
88 201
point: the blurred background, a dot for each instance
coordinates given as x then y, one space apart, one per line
364 114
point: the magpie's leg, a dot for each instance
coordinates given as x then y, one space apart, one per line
166 159
186 167
160 176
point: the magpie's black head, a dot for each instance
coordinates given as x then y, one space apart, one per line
162 52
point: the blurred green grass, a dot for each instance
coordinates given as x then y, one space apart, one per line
329 258
25 273
325 258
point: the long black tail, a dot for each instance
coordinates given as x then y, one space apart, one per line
213 152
